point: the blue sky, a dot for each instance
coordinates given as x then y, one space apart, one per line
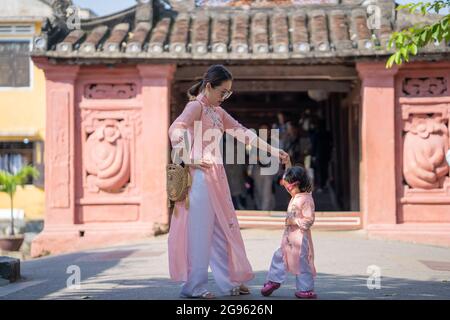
103 7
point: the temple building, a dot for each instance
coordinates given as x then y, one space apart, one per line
115 83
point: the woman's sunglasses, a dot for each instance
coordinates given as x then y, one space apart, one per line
226 94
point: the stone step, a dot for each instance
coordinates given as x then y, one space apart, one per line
426 233
9 268
275 220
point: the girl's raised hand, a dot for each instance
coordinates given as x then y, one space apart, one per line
284 156
288 163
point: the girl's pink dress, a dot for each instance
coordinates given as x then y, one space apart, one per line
301 209
212 117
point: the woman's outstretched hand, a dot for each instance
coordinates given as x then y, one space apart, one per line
284 156
288 163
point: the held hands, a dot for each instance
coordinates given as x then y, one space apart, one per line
288 163
283 155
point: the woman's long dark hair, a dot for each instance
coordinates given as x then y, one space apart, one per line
215 75
300 175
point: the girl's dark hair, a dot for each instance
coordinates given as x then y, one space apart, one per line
216 75
298 174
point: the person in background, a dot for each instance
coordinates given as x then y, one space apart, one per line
305 120
298 144
236 173
281 125
322 145
264 197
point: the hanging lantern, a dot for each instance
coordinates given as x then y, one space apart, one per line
318 95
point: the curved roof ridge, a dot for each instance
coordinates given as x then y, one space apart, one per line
108 18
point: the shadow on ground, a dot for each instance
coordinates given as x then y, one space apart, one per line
328 287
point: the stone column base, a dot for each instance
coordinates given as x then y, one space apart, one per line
423 233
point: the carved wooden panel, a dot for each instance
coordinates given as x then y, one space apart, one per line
108 149
426 141
424 87
110 91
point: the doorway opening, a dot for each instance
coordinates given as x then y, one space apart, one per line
320 131
334 153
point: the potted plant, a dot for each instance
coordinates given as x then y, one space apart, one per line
8 185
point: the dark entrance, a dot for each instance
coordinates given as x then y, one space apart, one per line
257 100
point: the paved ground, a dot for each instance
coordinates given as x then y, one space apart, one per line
140 271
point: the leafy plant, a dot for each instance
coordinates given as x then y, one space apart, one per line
9 183
410 40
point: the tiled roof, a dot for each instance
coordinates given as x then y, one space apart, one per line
152 32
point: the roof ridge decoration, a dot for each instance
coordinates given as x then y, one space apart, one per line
261 3
59 6
154 30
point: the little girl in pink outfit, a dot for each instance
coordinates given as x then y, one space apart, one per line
296 253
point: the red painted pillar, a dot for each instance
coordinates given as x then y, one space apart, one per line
59 139
156 84
378 161
59 151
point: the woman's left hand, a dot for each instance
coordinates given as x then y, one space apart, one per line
288 222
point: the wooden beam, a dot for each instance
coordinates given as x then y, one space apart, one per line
283 86
270 72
